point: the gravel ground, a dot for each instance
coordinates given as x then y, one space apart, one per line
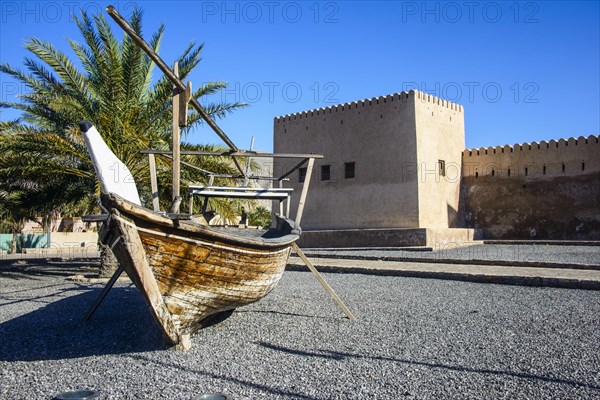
589 255
414 339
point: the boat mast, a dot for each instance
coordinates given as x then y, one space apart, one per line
174 79
181 100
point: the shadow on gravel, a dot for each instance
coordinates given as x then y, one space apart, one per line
336 355
280 393
287 314
56 331
38 268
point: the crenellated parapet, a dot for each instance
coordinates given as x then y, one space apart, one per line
543 145
572 156
373 102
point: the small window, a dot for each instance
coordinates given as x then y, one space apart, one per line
493 173
301 175
563 168
442 167
508 172
582 166
544 170
476 174
325 172
349 170
526 171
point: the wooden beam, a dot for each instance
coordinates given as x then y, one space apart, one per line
297 166
280 203
133 258
173 78
309 168
239 153
153 182
191 205
104 292
167 71
323 282
176 139
184 102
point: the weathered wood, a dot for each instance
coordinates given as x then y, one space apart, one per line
153 182
175 206
280 203
187 272
191 204
176 138
94 218
240 192
184 102
178 216
172 77
198 279
291 170
237 153
148 219
323 282
131 255
104 292
309 169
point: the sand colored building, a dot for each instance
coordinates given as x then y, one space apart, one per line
545 190
395 172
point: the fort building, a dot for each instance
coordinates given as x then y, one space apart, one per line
545 190
395 172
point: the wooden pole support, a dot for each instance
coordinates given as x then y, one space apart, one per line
107 287
281 204
153 182
309 168
184 102
176 137
104 292
322 281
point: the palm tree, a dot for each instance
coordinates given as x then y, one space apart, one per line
43 160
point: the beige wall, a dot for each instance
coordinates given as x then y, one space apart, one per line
391 139
378 135
554 205
552 154
440 136
396 142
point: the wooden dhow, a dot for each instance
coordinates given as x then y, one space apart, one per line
185 269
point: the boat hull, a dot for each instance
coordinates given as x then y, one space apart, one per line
188 273
200 278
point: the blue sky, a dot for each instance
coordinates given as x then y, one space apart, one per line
524 71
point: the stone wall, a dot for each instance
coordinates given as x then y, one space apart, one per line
411 171
440 139
546 190
392 141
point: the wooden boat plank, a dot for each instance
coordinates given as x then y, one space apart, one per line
130 253
147 219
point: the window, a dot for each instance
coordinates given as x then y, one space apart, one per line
544 170
325 172
349 170
526 171
442 167
301 175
